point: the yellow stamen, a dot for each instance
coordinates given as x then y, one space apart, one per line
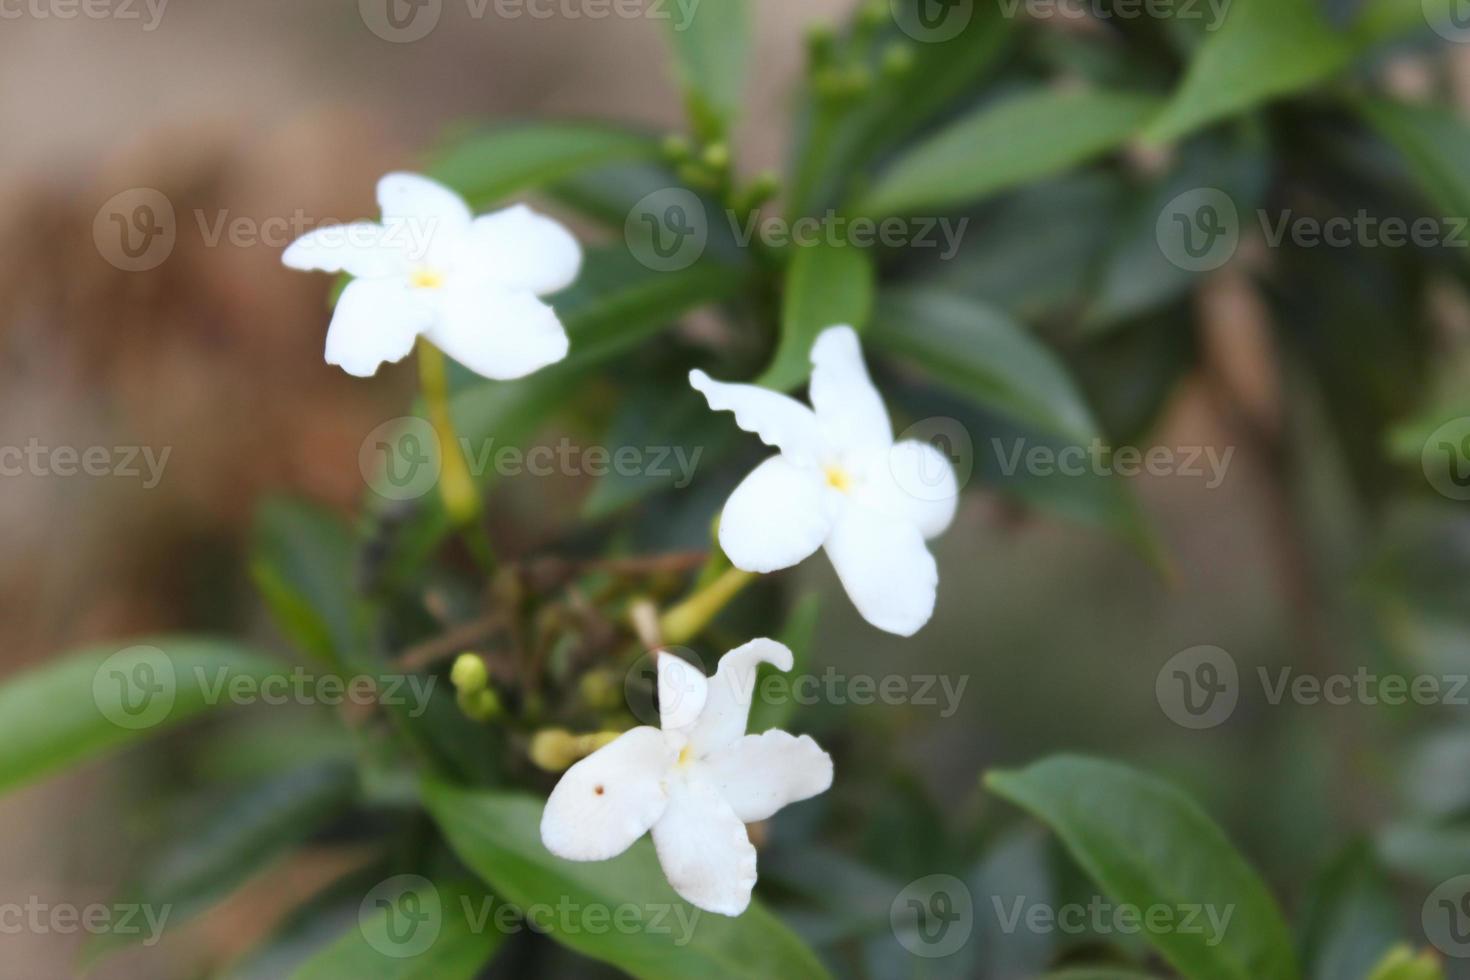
424 277
838 479
685 755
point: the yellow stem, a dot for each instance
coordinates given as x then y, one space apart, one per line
686 620
461 500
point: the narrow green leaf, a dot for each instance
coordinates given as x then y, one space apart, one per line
826 285
1147 844
1424 850
1435 142
711 42
1387 20
443 918
489 166
1007 144
984 356
1263 50
80 704
1350 918
497 835
303 560
216 847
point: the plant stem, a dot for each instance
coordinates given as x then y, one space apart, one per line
456 486
686 620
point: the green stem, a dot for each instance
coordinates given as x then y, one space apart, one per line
686 620
456 486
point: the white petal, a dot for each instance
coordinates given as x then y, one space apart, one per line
704 850
526 251
919 486
760 774
682 690
417 199
885 568
362 248
498 333
376 320
776 517
608 800
727 706
848 406
779 420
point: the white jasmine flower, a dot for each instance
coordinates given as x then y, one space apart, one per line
468 284
696 783
839 482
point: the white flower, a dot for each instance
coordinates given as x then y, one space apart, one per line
839 482
696 783
469 284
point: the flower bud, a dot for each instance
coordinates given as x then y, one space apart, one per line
469 675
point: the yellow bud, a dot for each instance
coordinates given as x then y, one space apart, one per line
469 673
481 705
553 749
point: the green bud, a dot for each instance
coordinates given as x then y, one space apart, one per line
469 674
480 705
676 147
717 156
898 59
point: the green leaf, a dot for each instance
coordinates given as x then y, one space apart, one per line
984 356
826 285
775 702
379 948
1424 850
1097 973
1263 50
711 44
1434 141
1386 20
1350 919
496 834
303 560
80 704
1147 844
1402 964
215 848
1007 144
487 167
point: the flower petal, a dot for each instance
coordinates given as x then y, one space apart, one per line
682 690
376 320
779 420
760 774
608 800
885 568
426 203
727 706
704 850
498 333
919 486
848 406
776 517
362 248
522 249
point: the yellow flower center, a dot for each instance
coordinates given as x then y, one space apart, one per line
686 755
839 479
424 277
